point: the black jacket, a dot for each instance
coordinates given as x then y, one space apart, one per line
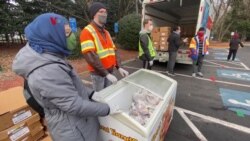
234 44
174 42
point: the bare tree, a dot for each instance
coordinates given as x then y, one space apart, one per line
221 24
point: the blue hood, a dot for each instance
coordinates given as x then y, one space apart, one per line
47 34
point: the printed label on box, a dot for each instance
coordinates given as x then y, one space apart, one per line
21 116
18 133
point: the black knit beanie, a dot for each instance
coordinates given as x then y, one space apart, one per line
95 7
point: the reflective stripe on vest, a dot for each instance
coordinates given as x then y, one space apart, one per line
89 44
152 51
101 52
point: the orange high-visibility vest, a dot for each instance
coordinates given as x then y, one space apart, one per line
92 40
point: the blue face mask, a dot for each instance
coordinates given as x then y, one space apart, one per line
71 41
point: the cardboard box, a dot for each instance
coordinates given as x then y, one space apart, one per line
163 39
155 36
36 137
164 43
156 30
157 47
14 108
29 127
47 138
164 47
165 29
164 34
155 43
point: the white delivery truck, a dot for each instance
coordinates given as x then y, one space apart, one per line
189 14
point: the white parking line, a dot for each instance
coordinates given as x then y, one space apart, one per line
214 66
211 62
244 66
217 121
192 126
206 79
234 63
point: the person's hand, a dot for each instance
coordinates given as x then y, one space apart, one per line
114 109
111 78
123 72
151 63
185 40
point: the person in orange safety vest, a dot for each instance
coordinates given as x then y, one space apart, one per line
99 50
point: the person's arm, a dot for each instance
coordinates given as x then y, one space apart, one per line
118 59
144 44
230 43
177 41
117 54
56 86
241 44
93 60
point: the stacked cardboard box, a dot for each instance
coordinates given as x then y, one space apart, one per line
18 120
46 138
164 34
155 35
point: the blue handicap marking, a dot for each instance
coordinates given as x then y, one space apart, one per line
236 100
232 74
224 58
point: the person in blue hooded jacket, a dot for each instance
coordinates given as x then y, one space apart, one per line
70 112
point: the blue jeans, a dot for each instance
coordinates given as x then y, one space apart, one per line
99 82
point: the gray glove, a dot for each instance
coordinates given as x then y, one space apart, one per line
111 78
97 97
123 72
114 109
151 63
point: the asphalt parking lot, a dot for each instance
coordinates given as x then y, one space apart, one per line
215 107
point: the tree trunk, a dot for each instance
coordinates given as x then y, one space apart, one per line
136 7
7 38
21 39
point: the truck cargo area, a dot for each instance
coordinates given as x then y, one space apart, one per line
184 13
173 12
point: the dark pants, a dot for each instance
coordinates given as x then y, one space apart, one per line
197 64
146 65
232 51
99 82
171 61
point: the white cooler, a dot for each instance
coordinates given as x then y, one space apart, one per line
122 127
